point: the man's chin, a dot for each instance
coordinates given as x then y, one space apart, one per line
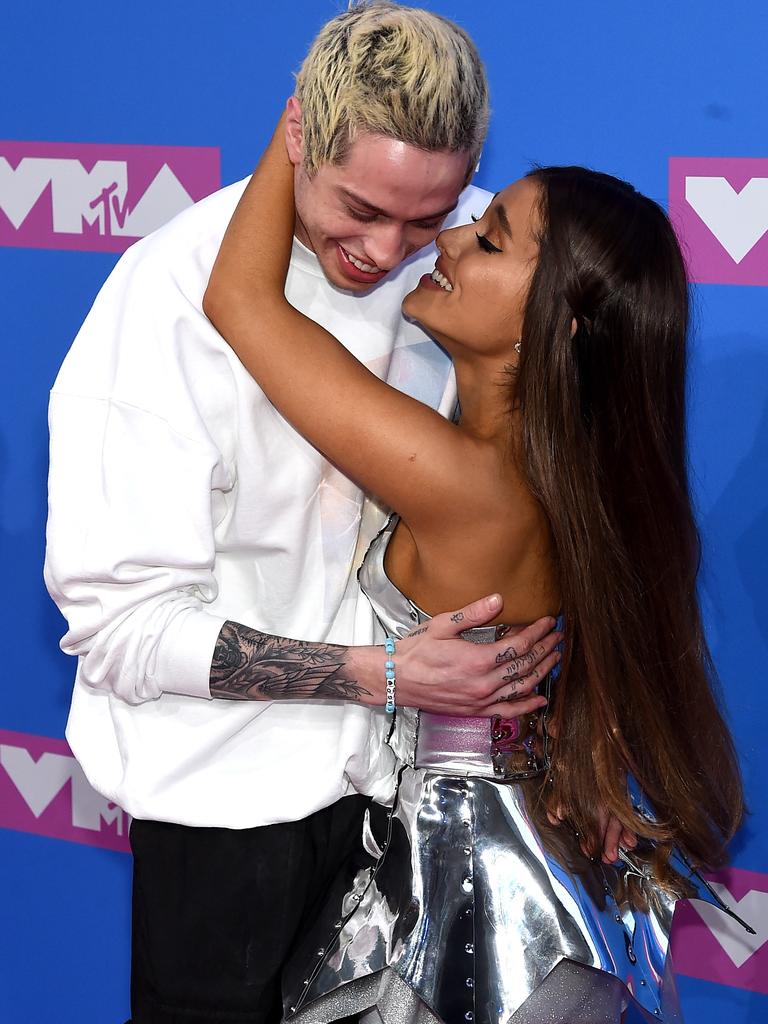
341 281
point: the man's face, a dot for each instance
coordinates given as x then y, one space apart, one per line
386 200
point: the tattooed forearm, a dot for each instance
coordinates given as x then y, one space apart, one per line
249 665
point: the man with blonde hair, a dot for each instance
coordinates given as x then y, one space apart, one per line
192 531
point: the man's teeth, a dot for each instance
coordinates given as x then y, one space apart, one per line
442 280
365 267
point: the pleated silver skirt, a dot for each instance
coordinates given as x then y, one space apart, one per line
452 910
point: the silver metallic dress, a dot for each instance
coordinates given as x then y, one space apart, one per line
452 910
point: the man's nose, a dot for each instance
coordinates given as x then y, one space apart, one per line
386 246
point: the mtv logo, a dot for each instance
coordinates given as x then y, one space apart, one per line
719 208
43 790
707 944
94 197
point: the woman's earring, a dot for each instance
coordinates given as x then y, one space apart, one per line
518 346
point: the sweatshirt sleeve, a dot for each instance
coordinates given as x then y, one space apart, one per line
136 486
130 549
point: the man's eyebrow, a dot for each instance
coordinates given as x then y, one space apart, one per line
371 208
501 213
354 198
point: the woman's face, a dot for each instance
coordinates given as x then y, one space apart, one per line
475 298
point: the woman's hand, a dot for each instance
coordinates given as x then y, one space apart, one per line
613 833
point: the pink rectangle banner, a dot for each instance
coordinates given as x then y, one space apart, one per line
719 208
88 196
43 791
709 945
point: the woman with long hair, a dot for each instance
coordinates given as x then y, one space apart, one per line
481 894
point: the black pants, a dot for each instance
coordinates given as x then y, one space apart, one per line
216 912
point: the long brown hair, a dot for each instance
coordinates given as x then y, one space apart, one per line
602 387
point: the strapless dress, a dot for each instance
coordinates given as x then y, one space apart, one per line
451 909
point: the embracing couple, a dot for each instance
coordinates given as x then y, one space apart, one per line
355 786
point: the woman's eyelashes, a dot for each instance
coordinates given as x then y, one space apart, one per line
482 241
484 244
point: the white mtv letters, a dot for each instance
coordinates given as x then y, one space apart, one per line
95 196
72 190
164 198
738 220
40 781
735 940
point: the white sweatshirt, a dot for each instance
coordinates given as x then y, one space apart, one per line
179 498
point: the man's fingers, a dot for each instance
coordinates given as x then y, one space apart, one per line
521 644
515 665
514 708
514 686
478 613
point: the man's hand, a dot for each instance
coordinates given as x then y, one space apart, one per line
438 671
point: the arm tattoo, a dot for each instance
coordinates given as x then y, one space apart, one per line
418 632
249 665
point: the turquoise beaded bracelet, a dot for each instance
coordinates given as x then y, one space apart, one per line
389 671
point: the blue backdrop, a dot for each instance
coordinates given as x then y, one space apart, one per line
620 87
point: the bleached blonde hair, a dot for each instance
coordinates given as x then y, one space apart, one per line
396 71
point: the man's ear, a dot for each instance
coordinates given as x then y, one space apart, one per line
294 137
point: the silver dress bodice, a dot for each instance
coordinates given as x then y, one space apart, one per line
452 909
488 747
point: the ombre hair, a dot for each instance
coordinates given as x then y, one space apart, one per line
602 388
395 71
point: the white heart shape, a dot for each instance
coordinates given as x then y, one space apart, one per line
738 220
735 940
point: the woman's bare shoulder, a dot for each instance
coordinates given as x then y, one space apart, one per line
488 540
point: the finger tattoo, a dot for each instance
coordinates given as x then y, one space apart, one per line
507 655
512 671
514 690
518 667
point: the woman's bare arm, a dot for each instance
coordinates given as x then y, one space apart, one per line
389 443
